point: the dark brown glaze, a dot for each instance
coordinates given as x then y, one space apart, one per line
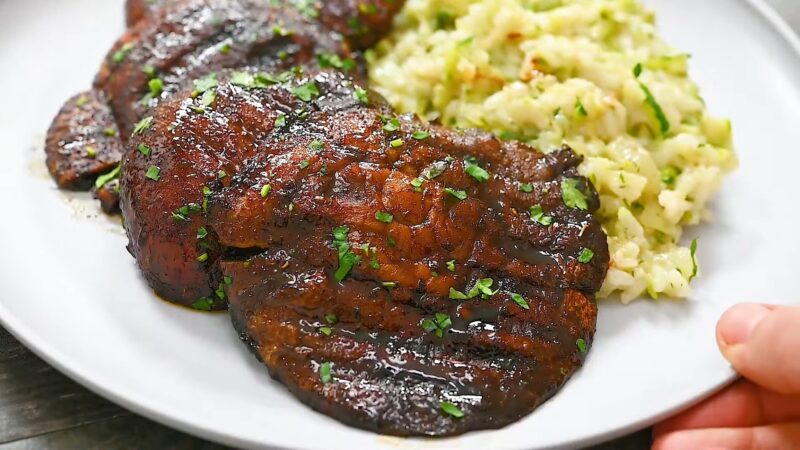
108 196
333 162
83 142
173 42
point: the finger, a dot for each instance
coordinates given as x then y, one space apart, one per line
743 404
779 436
762 343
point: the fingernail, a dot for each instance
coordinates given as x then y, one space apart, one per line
738 323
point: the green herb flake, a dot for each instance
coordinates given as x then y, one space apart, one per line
304 163
104 179
451 410
451 265
331 318
203 257
110 132
538 216
580 110
481 287
265 190
202 233
156 87
397 143
306 91
153 173
120 54
150 71
519 300
225 48
421 135
91 152
417 184
280 121
204 304
82 101
143 125
221 174
208 98
327 60
326 330
384 217
461 195
526 188
204 84
475 171
693 252
585 256
325 372
438 324
572 196
389 284
581 343
391 124
347 259
637 70
361 95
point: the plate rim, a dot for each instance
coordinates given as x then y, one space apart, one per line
33 341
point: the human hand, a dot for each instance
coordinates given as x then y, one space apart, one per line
762 411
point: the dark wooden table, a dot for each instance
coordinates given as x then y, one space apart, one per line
42 409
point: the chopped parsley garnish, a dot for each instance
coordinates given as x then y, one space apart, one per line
91 152
265 190
693 252
585 256
538 216
208 98
451 410
221 174
581 343
325 330
439 324
451 265
307 8
150 71
304 163
306 91
143 125
325 372
361 95
444 20
204 304
182 214
110 132
421 135
202 233
580 110
156 87
153 173
435 170
397 143
203 257
331 318
102 180
206 194
482 287
204 84
259 80
333 60
518 299
225 48
384 217
390 124
389 284
120 54
391 241
461 195
280 121
572 196
526 187
475 171
417 184
347 259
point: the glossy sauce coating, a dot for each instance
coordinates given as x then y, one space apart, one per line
344 185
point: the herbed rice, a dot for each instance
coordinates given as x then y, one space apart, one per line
550 72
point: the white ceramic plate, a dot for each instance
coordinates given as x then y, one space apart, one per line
72 293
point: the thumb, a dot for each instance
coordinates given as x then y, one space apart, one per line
763 343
